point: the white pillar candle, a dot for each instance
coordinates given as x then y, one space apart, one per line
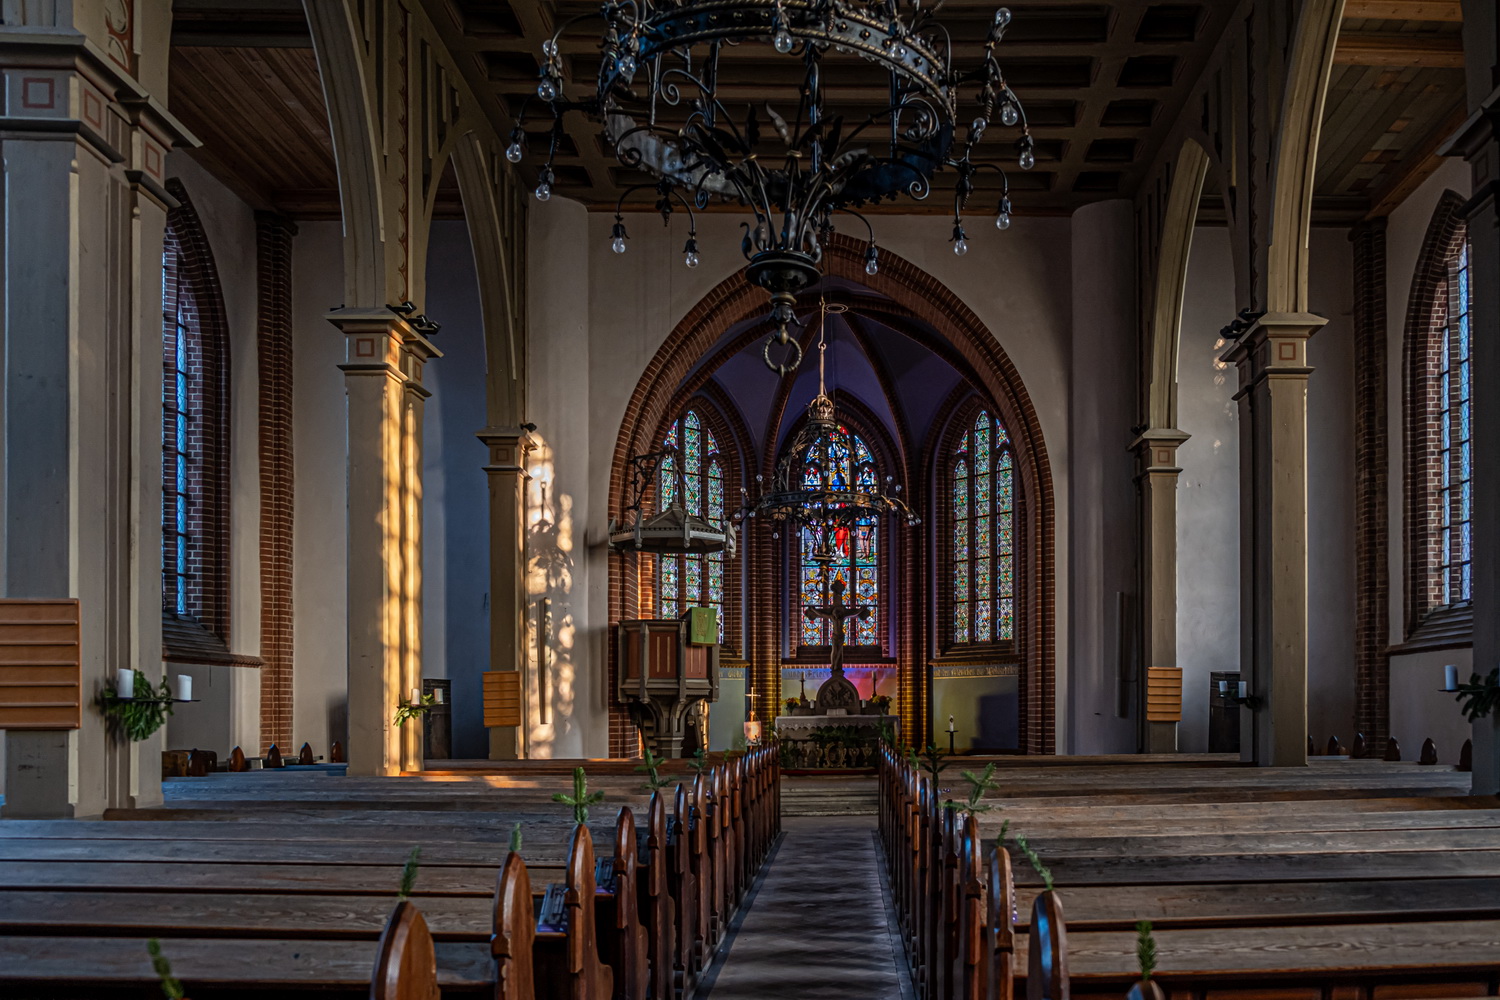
1450 677
416 696
437 695
1244 690
125 683
1223 689
950 724
182 690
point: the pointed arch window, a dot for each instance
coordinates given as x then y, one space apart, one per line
983 509
694 478
839 460
1453 468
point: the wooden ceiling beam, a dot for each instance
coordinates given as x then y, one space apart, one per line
1449 11
1401 50
1411 171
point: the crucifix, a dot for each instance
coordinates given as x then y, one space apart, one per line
837 691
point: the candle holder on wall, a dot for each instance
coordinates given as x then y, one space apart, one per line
1238 693
138 717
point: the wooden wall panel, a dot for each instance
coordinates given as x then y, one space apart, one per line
502 698
40 673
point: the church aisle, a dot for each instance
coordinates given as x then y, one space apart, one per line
820 924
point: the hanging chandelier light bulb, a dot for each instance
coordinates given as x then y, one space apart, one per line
795 167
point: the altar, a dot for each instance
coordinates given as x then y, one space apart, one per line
802 727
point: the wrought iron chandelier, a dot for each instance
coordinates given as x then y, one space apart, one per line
656 99
821 487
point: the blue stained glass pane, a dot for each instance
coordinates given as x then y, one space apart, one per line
982 621
961 492
669 579
866 477
1002 437
716 581
1465 542
961 540
1466 584
715 494
961 580
864 586
982 450
1464 417
668 484
1465 458
671 438
693 494
982 492
963 446
1007 577
1007 625
981 535
669 609
1463 382
1466 502
982 578
692 445
694 589
961 622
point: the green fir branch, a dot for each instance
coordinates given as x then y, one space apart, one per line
699 760
409 874
515 839
1145 949
1480 697
581 798
651 764
414 710
142 716
1036 861
171 988
978 785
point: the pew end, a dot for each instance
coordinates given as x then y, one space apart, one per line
405 960
512 938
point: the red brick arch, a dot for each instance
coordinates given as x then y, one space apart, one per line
974 351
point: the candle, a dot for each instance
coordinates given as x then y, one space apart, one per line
1450 677
183 689
125 683
1244 690
437 695
1223 689
950 724
416 696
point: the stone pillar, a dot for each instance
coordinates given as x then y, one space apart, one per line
80 438
1272 362
416 351
380 503
508 476
1161 677
1479 143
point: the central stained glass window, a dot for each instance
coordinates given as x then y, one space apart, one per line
984 534
688 580
849 464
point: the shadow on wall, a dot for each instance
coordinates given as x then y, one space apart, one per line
999 717
551 624
338 722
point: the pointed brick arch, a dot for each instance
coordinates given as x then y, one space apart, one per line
974 351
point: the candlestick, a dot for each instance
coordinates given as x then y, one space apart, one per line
183 689
1450 677
125 683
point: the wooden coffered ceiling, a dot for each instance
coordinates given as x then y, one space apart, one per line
1101 81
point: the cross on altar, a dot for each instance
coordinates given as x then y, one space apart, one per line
837 691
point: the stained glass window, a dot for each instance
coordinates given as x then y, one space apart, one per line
984 512
1455 465
177 334
692 581
839 459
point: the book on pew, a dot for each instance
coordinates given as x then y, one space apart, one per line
604 877
552 917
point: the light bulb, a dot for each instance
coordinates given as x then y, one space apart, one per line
546 90
617 244
690 258
543 191
1002 221
783 41
1002 16
1009 115
549 48
513 152
960 247
977 127
872 266
1028 159
627 65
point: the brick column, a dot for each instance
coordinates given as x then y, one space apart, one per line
1371 483
1272 362
273 336
1479 143
1161 677
508 476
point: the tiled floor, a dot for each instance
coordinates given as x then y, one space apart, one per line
820 924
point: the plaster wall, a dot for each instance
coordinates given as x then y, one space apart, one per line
228 712
1018 283
1418 710
1103 551
567 563
1208 489
455 489
320 469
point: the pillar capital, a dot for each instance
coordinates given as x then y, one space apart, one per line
375 340
1156 450
1274 346
508 447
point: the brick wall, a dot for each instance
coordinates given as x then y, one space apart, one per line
1371 486
273 332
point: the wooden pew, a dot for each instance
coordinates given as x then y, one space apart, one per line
405 959
566 956
513 933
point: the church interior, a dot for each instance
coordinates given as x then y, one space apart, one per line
687 499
